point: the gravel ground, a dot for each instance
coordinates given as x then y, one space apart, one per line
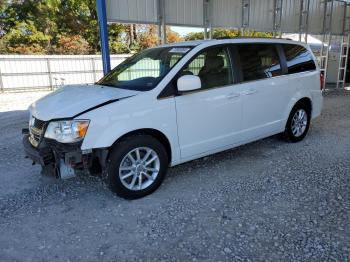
268 200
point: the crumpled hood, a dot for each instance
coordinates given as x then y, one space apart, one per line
69 101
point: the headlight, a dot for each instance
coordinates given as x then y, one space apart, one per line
67 131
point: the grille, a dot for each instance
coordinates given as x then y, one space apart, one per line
36 128
39 124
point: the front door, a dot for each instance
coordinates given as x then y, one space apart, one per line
209 118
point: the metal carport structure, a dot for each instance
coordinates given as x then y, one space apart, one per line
318 17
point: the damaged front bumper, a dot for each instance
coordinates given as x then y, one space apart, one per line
40 155
63 160
60 159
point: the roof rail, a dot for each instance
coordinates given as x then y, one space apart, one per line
249 37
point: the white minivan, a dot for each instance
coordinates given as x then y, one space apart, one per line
174 103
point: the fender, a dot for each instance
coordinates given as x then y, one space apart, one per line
114 120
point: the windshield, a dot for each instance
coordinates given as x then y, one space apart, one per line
143 71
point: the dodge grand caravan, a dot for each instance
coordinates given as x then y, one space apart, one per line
172 104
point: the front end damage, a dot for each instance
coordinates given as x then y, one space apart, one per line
60 159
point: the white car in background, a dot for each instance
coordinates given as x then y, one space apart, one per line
172 104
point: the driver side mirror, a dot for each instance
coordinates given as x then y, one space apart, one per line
188 83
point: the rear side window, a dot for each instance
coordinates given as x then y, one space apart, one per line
298 59
259 61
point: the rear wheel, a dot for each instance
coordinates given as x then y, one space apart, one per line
137 166
298 123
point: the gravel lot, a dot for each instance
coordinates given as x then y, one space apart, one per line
268 200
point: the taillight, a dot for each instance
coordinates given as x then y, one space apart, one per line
321 80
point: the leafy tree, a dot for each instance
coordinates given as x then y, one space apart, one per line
148 36
45 26
24 38
75 45
173 37
117 39
227 33
79 17
194 36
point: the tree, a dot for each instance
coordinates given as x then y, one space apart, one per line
227 33
79 17
117 39
42 26
148 36
24 38
173 37
194 36
74 45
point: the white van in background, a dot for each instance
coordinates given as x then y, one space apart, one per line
174 103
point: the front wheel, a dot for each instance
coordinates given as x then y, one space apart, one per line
137 166
298 123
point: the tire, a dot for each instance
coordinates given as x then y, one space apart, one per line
297 127
125 162
49 171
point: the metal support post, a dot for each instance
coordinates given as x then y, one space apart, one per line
211 32
1 83
94 77
102 22
304 19
159 33
245 15
344 48
164 35
327 38
277 18
49 72
207 18
161 22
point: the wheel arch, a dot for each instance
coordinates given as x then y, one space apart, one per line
305 101
160 136
299 98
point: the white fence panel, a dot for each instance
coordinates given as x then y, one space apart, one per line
24 72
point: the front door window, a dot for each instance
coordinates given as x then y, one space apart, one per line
212 66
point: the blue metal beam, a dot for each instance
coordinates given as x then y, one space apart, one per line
102 22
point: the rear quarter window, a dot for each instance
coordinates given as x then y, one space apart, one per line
299 59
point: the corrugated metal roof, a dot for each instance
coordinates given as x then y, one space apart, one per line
225 13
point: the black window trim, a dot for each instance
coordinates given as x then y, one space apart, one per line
170 90
283 60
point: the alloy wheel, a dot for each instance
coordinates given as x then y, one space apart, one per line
299 122
139 168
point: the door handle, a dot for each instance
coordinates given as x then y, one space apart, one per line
232 95
249 92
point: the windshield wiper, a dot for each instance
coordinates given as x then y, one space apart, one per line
106 84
